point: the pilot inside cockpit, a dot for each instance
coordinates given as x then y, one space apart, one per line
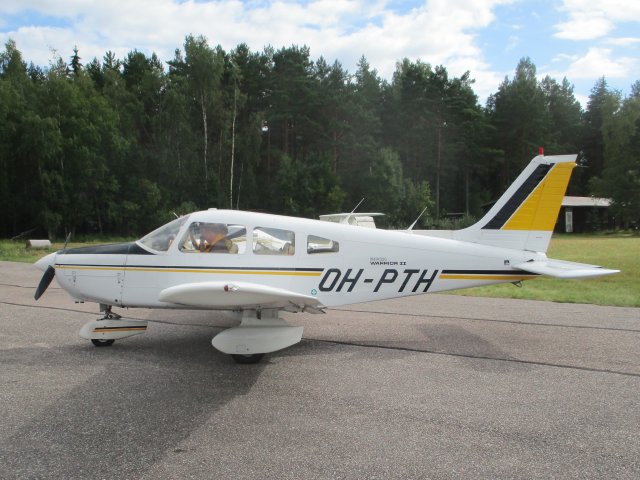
207 237
213 238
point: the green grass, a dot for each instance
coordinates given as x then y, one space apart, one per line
617 252
612 251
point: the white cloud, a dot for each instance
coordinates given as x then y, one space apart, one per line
513 42
589 19
562 57
437 31
618 10
622 41
38 43
598 62
583 27
583 100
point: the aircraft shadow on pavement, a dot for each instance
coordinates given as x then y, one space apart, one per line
473 350
141 399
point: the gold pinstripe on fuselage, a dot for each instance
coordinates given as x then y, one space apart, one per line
221 271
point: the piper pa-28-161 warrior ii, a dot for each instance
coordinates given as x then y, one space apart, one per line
259 264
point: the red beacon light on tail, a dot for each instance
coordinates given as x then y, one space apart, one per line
541 151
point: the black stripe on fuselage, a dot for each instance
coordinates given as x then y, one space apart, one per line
127 327
520 195
486 272
129 248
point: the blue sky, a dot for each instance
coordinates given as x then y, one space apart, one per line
580 39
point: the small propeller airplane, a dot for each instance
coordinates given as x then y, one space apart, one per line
259 264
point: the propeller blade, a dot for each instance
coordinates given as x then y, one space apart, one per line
45 281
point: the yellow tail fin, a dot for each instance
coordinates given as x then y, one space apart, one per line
524 217
540 210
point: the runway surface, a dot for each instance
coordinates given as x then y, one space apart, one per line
434 386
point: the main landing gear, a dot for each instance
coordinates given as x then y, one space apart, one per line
247 359
260 332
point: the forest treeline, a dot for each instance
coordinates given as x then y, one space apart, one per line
116 146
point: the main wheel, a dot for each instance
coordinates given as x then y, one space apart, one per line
102 343
247 359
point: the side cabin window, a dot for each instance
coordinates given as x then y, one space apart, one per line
273 241
321 245
162 238
207 237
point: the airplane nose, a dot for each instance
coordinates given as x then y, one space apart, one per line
46 262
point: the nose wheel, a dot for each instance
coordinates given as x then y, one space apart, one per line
108 315
111 327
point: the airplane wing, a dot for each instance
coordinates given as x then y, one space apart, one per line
563 269
238 295
359 219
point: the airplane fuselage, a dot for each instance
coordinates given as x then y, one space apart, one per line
337 264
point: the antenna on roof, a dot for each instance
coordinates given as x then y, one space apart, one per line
64 248
354 208
416 220
346 219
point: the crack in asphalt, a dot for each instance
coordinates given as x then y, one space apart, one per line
476 319
478 357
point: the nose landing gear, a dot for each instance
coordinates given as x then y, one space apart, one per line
111 327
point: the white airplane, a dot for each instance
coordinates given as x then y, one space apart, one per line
259 264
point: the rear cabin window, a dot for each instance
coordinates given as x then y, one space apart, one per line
209 237
273 241
321 245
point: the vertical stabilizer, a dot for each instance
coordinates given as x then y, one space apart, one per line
524 217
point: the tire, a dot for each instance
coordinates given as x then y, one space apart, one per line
102 343
247 359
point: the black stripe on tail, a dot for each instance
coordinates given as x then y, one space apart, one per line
520 195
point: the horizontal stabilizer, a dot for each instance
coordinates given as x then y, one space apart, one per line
237 295
562 269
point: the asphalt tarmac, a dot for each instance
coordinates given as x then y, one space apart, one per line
434 386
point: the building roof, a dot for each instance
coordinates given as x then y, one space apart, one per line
586 202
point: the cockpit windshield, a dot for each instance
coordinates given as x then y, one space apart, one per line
162 238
